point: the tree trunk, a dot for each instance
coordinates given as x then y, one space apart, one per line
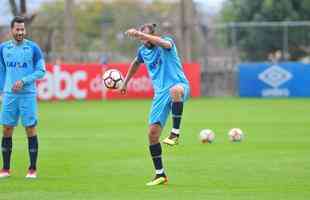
69 30
23 7
186 17
13 7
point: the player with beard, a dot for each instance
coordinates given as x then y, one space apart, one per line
171 89
21 64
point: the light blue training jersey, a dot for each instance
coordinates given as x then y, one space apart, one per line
163 65
23 61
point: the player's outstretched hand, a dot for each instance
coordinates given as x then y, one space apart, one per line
18 85
123 89
133 33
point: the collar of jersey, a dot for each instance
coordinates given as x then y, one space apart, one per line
18 44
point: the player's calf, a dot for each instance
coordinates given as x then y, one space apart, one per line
33 152
6 148
177 93
160 177
156 153
33 146
154 133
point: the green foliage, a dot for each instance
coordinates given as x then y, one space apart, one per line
256 43
100 26
49 21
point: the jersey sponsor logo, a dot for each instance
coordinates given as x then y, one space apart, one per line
16 64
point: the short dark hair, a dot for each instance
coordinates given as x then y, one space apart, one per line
17 19
150 26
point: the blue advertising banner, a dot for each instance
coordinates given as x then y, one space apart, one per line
288 79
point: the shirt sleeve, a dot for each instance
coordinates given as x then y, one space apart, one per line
2 69
139 56
169 39
38 64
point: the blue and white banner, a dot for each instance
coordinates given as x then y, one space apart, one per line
289 79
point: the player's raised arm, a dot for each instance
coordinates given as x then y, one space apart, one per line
131 71
144 36
156 40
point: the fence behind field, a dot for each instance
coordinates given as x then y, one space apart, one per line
224 47
228 45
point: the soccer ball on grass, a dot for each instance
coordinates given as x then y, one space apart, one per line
206 136
235 135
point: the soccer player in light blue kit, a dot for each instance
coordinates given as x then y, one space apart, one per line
171 88
21 64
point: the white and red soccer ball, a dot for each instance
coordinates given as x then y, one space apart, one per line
206 136
112 79
235 135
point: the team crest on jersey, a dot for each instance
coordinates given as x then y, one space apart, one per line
26 48
157 61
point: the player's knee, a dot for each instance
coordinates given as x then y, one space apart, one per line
153 134
176 93
153 139
31 131
8 131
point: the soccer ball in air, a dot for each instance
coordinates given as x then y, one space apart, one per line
112 79
235 135
206 136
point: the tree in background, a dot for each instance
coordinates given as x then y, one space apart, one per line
99 26
17 9
256 43
21 10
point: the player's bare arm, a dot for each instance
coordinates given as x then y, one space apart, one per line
155 40
134 66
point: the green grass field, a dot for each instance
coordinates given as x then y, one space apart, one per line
99 150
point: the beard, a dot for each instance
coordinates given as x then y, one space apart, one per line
19 37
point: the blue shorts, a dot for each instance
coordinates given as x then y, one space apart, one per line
15 105
161 106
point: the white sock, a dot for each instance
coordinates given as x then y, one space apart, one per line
159 171
175 131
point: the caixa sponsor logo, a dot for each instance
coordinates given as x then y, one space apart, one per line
275 76
16 64
62 84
